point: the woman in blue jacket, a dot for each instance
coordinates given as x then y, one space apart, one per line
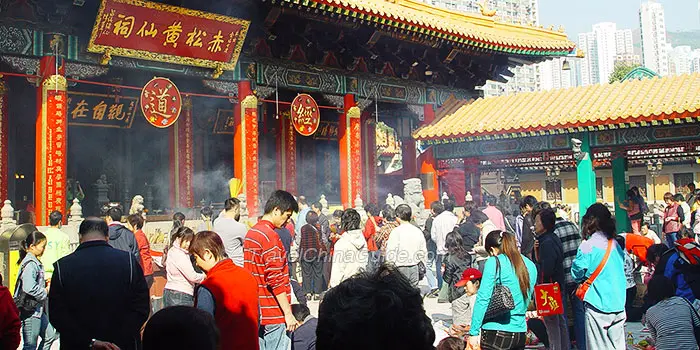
605 299
32 282
518 274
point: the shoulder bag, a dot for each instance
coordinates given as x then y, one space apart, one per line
583 287
26 304
501 298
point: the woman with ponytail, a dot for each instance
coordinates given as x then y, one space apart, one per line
31 287
518 274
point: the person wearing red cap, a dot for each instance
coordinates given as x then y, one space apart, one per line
462 307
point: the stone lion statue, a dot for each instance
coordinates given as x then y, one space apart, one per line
136 205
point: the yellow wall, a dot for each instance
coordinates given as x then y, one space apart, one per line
663 185
608 193
531 188
570 191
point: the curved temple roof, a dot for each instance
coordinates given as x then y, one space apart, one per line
471 30
646 101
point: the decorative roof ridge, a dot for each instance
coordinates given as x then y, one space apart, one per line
649 100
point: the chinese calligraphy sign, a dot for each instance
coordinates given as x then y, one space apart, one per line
54 158
100 110
161 102
306 116
548 299
153 31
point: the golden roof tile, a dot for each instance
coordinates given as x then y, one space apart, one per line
646 100
487 30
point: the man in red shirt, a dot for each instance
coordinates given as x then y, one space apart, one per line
265 258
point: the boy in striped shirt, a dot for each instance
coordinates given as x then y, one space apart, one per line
266 259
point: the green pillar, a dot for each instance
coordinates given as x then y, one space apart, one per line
619 167
585 176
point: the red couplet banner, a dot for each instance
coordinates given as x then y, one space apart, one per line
153 31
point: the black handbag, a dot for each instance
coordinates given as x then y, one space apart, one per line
421 271
501 299
26 304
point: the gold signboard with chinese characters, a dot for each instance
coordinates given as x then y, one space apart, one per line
99 110
157 32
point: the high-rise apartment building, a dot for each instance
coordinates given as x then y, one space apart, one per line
654 48
680 60
525 78
624 44
554 76
603 47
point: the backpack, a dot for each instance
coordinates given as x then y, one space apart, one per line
688 263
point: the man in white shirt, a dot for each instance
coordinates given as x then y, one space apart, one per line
442 225
406 246
231 231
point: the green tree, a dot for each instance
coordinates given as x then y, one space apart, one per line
621 69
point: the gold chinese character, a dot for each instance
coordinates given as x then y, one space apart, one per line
152 31
172 34
115 112
98 112
58 98
124 26
80 110
194 38
215 44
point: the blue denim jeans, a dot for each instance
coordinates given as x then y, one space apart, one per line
438 269
430 271
671 238
273 337
175 298
35 327
578 310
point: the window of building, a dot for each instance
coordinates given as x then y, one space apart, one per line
553 189
599 188
681 180
639 181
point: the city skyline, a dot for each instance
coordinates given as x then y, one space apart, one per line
579 17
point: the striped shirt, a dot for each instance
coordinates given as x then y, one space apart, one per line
570 238
671 323
266 260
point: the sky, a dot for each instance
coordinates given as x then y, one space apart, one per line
578 16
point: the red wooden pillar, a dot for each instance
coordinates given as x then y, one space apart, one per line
51 138
369 167
245 145
408 158
288 155
428 164
349 137
3 141
182 158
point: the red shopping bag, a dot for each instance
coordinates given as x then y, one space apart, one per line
548 299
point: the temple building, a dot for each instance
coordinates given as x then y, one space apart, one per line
574 146
104 100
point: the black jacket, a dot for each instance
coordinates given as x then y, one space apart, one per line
98 292
470 234
550 259
430 245
527 246
121 238
454 268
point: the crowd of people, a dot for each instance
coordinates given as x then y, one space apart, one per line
230 286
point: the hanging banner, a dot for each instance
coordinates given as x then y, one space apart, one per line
161 102
99 110
53 159
164 33
225 121
305 114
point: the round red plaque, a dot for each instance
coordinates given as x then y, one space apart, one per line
305 115
161 102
